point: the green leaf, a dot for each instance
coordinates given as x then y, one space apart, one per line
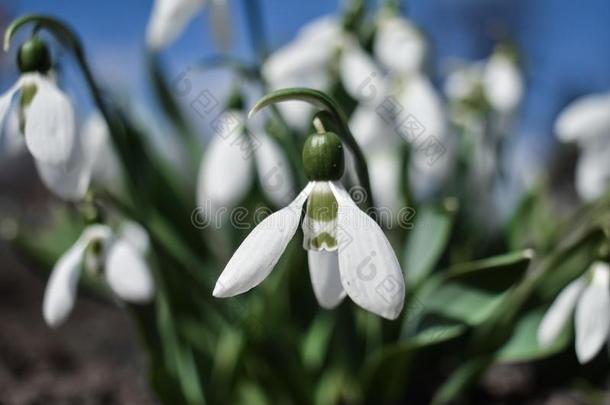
426 242
315 342
387 370
228 349
460 380
251 393
533 224
471 292
45 245
523 343
464 303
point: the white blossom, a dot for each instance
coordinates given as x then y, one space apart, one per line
231 160
121 256
586 121
170 17
588 298
347 251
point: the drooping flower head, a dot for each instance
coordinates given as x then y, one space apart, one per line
170 17
346 249
586 121
588 298
117 256
46 116
234 158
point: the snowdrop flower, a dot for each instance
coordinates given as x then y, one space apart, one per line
120 256
399 45
390 103
347 251
588 297
106 167
226 171
92 160
304 62
587 122
170 17
46 116
496 82
385 114
502 82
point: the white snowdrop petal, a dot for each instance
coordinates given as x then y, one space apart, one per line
431 166
372 129
225 174
423 105
303 63
384 170
106 168
69 182
12 141
592 320
60 292
309 54
6 100
273 170
168 19
593 173
370 272
463 81
585 119
502 83
136 235
360 76
399 46
292 61
559 312
261 250
127 273
49 124
325 278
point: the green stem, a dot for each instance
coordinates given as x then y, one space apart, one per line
339 121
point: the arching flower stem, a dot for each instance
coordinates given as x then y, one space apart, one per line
333 119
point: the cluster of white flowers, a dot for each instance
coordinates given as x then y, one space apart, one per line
348 253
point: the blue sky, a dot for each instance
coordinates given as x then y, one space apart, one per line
564 44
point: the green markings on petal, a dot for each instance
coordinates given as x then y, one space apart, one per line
323 241
322 205
320 223
28 91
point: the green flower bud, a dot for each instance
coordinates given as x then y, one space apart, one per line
34 56
323 158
